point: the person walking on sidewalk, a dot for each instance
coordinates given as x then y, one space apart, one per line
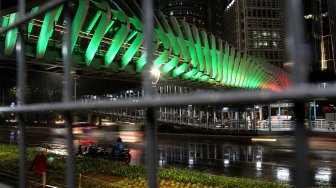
39 168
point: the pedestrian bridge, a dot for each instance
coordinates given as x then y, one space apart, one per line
216 118
202 120
107 42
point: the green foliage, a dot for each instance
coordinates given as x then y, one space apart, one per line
134 174
89 184
194 177
9 163
115 168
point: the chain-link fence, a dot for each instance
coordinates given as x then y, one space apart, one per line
299 93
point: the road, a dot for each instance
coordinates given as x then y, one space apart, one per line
271 159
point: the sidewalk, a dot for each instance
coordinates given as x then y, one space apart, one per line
10 181
2 185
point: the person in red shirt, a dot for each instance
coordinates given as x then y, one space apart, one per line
39 168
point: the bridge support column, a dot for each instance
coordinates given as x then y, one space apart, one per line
200 118
172 114
222 120
94 118
180 115
89 117
165 112
245 119
160 110
261 113
309 116
315 123
254 119
237 119
214 116
207 119
193 115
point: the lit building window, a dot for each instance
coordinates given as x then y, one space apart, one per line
255 33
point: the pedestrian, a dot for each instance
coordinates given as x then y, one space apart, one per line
12 137
39 168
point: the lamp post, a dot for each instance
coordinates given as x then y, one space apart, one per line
75 77
75 85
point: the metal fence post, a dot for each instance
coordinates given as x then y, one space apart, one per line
298 94
297 52
151 150
21 81
67 94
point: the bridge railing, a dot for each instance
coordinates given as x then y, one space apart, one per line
172 115
193 120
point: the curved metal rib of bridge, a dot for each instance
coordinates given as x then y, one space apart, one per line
111 36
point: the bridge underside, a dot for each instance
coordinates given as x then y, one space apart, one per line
83 71
107 43
80 70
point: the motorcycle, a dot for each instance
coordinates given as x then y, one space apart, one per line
92 151
101 152
124 156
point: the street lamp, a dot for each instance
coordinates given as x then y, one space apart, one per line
155 72
75 77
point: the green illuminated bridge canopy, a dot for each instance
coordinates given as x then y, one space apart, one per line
110 39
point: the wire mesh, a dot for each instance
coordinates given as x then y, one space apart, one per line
300 93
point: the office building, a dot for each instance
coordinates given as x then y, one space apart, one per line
320 25
332 23
204 14
192 11
257 28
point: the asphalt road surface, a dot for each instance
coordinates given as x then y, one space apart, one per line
271 159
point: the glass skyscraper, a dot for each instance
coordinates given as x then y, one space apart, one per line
320 24
256 27
204 14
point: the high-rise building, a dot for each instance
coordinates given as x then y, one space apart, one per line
257 28
332 23
320 24
214 21
204 14
192 11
